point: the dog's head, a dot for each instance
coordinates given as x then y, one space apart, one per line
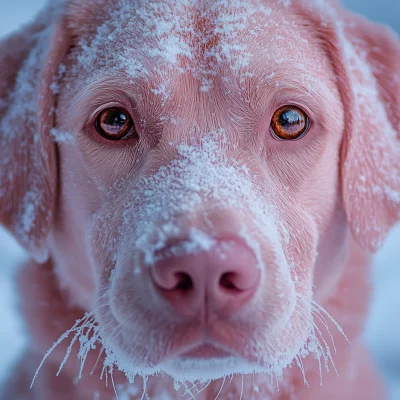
193 168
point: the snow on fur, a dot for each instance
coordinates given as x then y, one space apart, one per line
381 168
180 35
87 334
201 174
200 168
22 112
201 177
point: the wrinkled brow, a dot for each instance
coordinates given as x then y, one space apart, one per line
263 74
282 88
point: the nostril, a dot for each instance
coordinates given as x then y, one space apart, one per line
183 282
206 285
227 281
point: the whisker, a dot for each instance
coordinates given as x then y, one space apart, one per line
68 352
338 327
59 341
97 361
326 351
106 362
303 372
277 381
113 384
320 369
194 386
145 395
188 390
220 390
87 344
320 348
241 391
323 322
205 387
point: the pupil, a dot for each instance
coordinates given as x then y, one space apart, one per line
290 117
118 119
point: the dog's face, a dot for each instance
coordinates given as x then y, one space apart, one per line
208 169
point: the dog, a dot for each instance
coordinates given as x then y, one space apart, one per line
199 185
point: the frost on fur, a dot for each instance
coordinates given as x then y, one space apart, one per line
201 173
171 40
86 333
200 178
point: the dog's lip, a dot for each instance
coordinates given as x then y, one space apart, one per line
205 351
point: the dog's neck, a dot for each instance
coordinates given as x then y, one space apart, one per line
48 316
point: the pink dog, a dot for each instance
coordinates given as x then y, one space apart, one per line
198 183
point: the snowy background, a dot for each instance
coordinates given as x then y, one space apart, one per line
383 330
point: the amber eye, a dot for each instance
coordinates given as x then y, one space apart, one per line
115 124
289 123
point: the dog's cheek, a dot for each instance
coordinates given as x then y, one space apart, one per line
69 242
301 252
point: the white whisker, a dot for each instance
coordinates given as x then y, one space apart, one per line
338 327
325 349
76 328
320 369
145 395
205 387
241 391
322 320
188 390
87 343
113 384
220 390
97 361
303 372
320 348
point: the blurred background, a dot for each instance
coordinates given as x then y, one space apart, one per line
383 328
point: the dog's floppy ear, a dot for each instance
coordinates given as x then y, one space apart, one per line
29 62
367 61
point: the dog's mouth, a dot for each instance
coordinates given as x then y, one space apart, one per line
205 362
205 351
191 355
193 342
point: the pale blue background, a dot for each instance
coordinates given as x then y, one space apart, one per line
388 11
383 330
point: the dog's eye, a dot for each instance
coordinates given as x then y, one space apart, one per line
115 124
289 123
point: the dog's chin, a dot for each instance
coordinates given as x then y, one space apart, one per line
185 368
202 370
192 369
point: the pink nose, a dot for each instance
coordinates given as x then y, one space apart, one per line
208 284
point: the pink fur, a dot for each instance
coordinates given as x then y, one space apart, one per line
105 220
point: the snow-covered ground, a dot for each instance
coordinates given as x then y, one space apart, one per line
383 330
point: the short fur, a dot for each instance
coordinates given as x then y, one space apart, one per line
202 80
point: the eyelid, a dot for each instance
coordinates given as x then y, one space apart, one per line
104 92
293 103
113 104
128 106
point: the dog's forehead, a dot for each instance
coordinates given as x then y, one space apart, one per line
205 38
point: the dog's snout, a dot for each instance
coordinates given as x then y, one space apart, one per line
208 284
